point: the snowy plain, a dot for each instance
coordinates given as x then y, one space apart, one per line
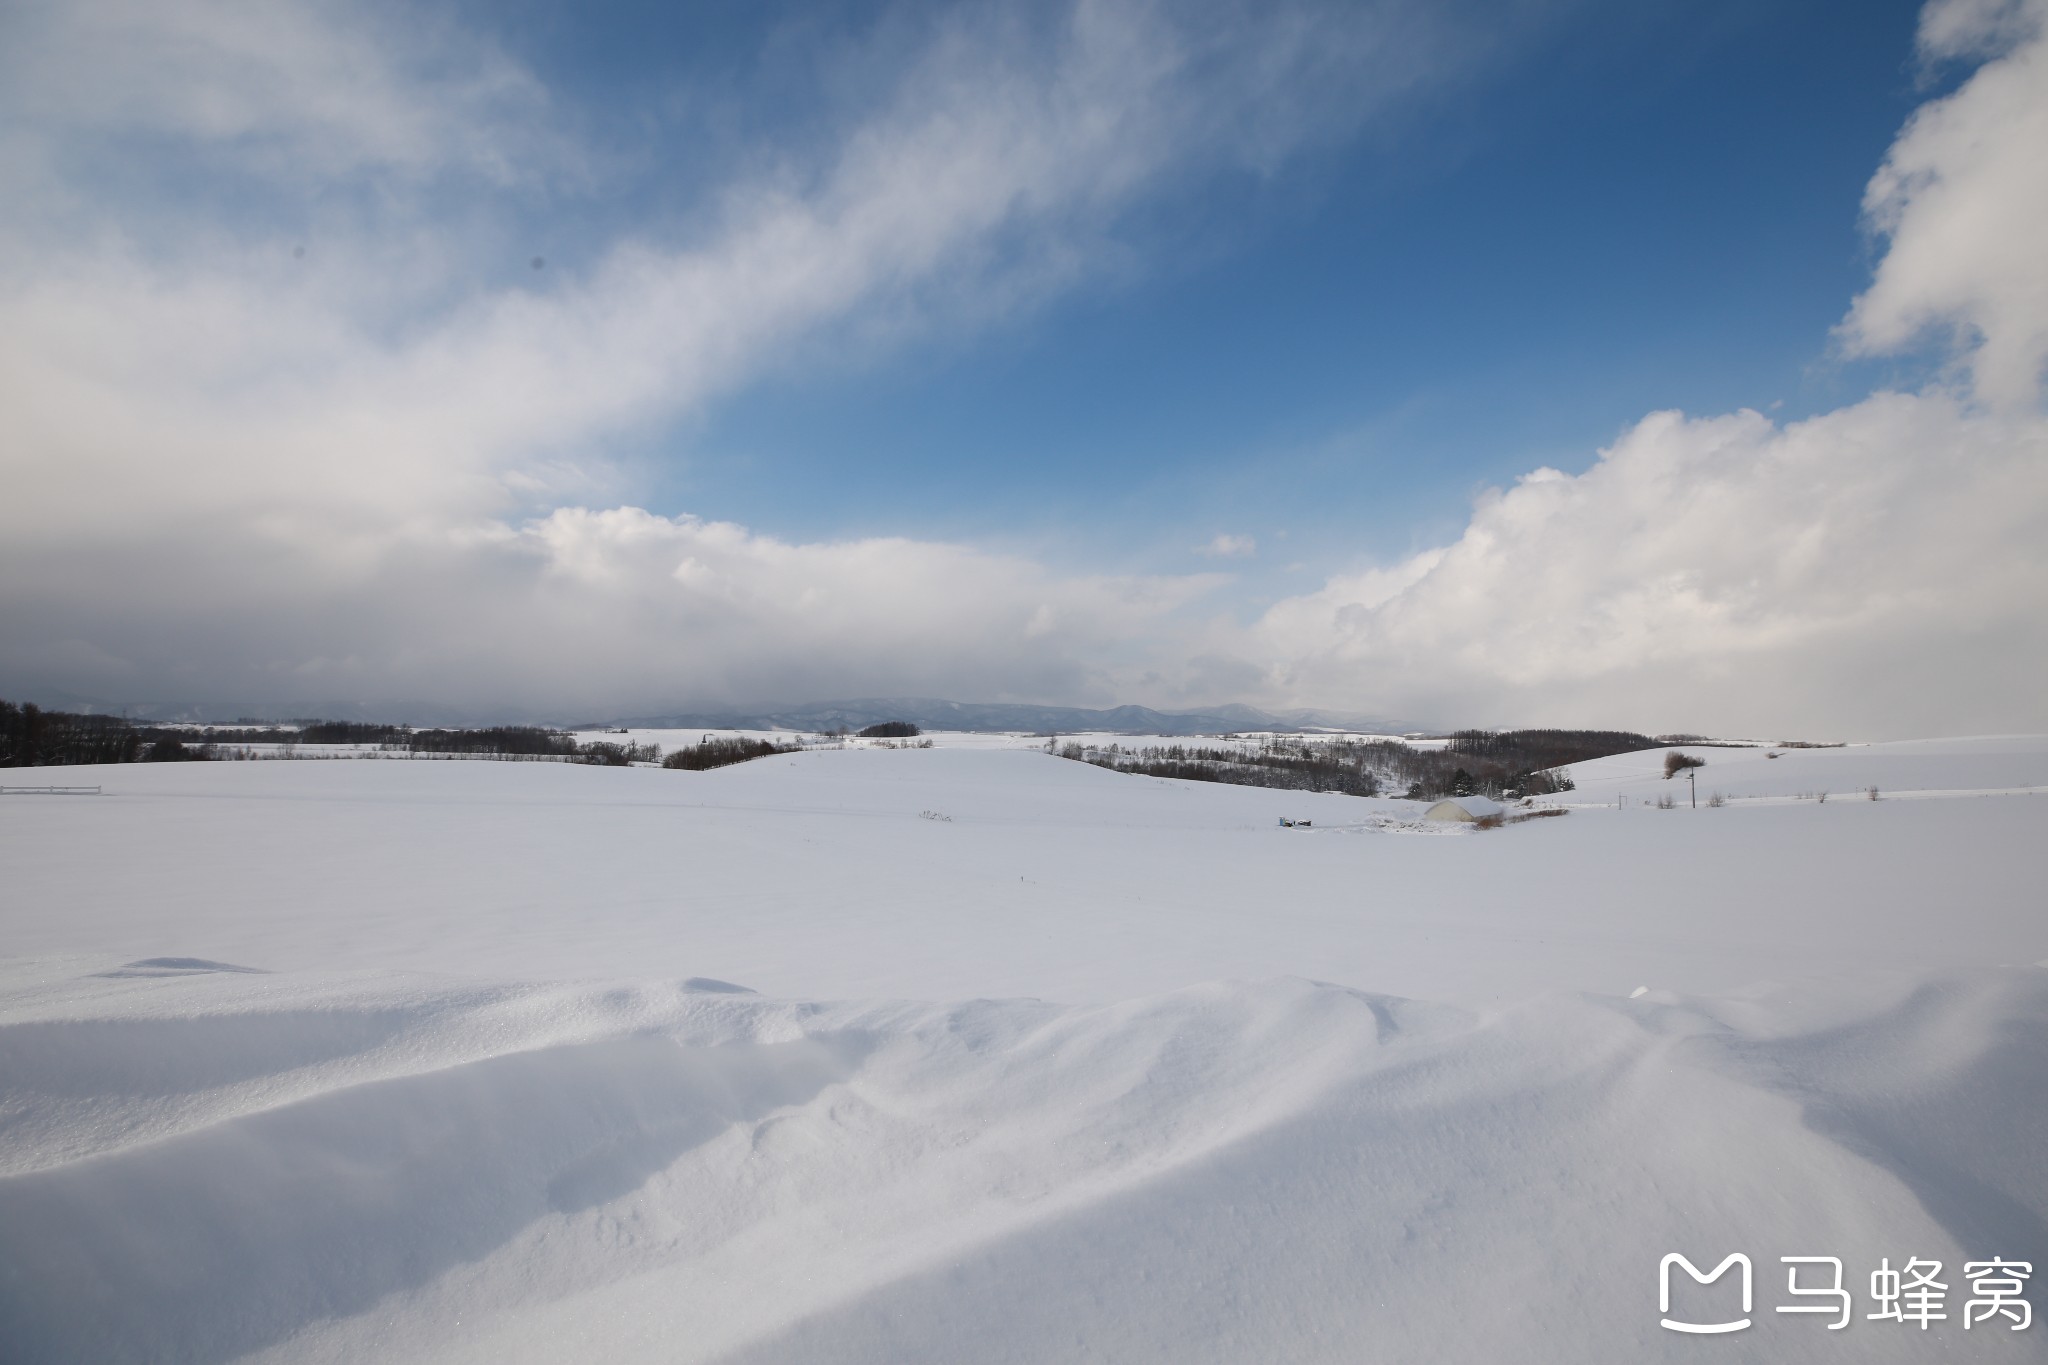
312 1061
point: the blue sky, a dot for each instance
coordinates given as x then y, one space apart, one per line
1605 223
1301 353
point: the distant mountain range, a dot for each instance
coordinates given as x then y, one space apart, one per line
928 712
934 714
228 712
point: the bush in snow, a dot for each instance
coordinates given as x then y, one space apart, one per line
1676 763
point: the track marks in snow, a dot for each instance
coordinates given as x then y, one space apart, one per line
221 1241
1283 1169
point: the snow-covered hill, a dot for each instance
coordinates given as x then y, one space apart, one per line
1056 1077
1921 768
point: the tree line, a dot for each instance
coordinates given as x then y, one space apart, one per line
1272 765
1493 763
715 752
31 737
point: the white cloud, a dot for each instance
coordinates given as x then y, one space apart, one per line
295 89
235 469
1961 201
232 473
581 611
343 397
1976 28
1877 570
1879 567
1229 547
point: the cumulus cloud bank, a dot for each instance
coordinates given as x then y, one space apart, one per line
244 468
1961 199
240 468
1874 568
1881 569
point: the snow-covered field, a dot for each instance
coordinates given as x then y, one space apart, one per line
1033 1061
1919 769
670 740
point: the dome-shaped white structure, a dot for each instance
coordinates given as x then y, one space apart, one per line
1464 809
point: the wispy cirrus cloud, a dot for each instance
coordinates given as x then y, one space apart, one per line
214 428
1226 546
218 363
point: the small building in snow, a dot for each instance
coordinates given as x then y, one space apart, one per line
1468 810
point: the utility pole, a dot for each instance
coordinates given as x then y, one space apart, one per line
1692 779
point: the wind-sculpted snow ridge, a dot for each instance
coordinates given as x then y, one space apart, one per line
328 1167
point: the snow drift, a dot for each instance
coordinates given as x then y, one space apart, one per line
281 1144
